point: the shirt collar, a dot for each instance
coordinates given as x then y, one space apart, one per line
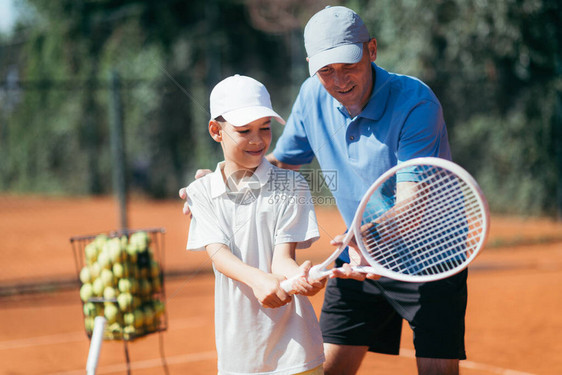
218 186
380 95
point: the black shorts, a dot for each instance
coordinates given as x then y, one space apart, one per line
370 314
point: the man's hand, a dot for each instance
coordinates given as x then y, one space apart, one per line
355 259
183 191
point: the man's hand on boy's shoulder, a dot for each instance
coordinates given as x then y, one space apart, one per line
183 191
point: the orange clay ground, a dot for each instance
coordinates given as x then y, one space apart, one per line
514 316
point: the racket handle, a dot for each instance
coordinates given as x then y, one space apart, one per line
95 345
316 273
287 285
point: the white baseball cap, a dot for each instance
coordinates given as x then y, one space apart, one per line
335 35
241 100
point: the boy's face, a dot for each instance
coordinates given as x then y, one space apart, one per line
244 146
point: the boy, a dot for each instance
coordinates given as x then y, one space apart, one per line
250 217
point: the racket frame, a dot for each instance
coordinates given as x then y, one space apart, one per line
321 270
463 175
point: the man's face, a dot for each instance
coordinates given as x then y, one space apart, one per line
351 84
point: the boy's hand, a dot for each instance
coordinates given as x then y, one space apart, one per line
304 285
268 291
183 191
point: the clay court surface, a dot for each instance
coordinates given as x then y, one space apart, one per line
514 316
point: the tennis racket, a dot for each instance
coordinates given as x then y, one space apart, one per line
423 220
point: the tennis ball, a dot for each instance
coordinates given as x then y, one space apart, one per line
124 285
109 293
114 250
137 302
106 277
103 260
129 331
154 269
90 309
114 331
85 275
139 317
95 270
89 324
159 308
125 301
135 285
86 292
101 239
134 271
132 252
143 272
141 239
145 287
118 270
91 252
98 287
111 313
129 318
124 241
156 285
148 315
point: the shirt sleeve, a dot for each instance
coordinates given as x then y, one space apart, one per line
293 146
204 228
424 133
297 222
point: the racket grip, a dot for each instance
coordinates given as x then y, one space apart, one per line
95 345
318 272
287 285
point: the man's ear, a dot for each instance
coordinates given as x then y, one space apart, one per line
215 130
372 45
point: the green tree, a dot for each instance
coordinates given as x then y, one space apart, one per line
496 68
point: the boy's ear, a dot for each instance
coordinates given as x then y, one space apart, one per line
215 131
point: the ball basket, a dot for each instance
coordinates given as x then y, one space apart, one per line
121 278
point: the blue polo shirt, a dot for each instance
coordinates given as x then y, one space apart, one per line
403 120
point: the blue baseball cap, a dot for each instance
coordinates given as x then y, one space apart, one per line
335 35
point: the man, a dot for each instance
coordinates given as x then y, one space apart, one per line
360 120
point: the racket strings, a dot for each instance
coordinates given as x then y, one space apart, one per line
439 248
435 230
421 252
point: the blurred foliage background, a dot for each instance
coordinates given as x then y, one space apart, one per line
495 65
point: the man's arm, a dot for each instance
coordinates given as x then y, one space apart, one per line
265 286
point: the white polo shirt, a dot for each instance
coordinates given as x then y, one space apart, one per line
274 207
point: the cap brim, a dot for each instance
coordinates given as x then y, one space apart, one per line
346 54
244 116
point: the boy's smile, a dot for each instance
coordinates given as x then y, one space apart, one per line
245 146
